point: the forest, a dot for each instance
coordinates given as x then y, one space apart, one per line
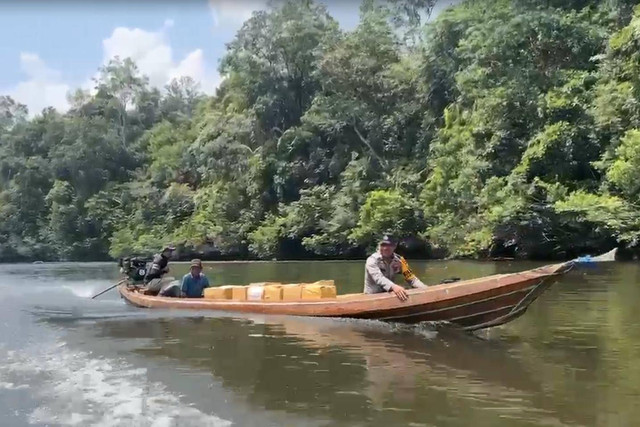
505 128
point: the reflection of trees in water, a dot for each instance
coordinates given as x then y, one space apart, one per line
351 371
586 346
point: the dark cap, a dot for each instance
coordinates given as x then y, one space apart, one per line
387 239
169 248
196 263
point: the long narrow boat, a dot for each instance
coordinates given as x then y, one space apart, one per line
469 304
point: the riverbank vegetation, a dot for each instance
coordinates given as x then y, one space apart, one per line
498 128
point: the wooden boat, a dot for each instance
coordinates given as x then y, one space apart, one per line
469 304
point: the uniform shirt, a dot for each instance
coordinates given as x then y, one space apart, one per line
158 267
160 262
193 287
379 274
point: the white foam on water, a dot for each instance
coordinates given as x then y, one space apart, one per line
12 386
53 289
86 289
76 389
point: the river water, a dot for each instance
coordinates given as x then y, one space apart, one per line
572 360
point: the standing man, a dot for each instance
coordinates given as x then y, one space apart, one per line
381 268
194 282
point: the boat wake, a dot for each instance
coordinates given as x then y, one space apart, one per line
74 388
86 290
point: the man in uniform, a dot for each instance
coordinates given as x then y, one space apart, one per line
381 268
159 267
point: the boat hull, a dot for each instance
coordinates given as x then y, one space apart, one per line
469 304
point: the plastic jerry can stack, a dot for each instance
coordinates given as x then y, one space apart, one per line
218 292
319 290
239 293
272 293
291 292
255 292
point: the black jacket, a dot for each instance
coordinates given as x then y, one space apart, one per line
158 267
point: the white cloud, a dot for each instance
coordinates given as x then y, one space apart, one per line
193 65
42 88
168 23
147 49
234 12
151 51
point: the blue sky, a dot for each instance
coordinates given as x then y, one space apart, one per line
51 47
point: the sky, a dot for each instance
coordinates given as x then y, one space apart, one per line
52 47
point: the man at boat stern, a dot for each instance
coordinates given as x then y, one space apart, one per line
194 282
160 264
383 266
154 280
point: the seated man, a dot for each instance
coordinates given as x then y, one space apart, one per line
194 282
382 266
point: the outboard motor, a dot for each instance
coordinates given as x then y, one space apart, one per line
134 268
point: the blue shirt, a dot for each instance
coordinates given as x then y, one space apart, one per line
193 288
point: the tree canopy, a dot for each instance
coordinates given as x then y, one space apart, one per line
502 127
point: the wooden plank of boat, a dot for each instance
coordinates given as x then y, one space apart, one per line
470 304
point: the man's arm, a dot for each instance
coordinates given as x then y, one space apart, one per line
184 285
408 275
204 282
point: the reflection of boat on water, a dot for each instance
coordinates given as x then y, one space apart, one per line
469 304
450 367
351 371
399 359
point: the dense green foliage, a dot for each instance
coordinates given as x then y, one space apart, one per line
500 127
